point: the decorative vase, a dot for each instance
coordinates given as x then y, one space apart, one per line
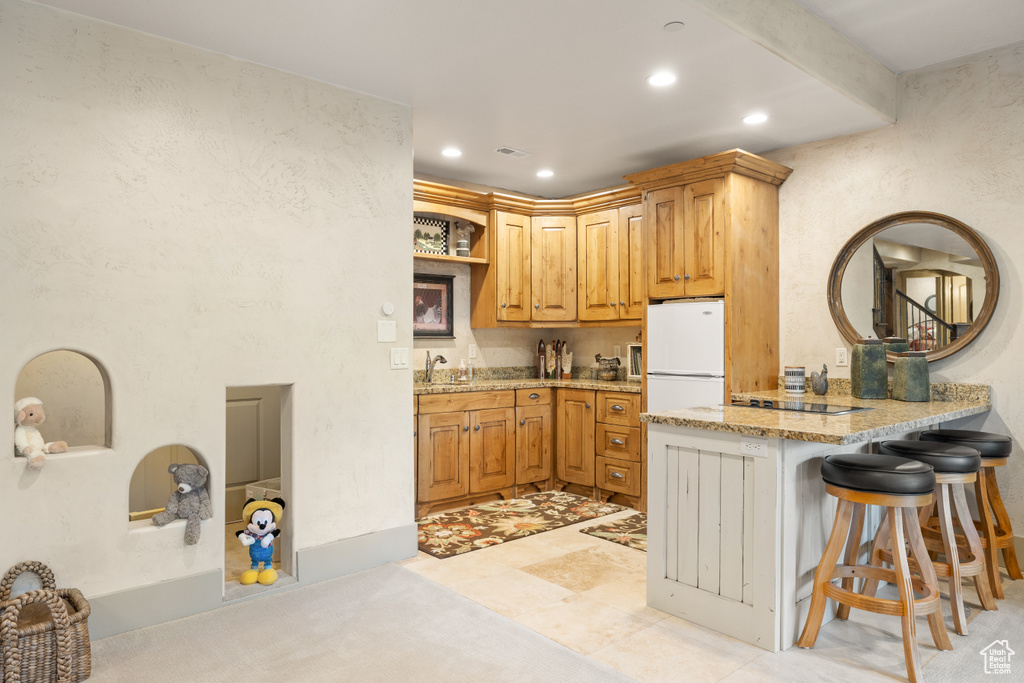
869 371
896 345
795 379
910 381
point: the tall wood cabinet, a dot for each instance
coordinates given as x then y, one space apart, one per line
711 229
553 268
512 266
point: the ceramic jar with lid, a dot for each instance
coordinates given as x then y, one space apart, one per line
910 381
869 370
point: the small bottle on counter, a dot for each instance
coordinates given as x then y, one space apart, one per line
869 371
541 361
463 372
469 371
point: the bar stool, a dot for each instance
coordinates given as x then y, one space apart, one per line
994 524
901 486
954 466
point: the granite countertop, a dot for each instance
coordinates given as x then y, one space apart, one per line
888 417
420 388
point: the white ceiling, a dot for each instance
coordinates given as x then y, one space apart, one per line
565 80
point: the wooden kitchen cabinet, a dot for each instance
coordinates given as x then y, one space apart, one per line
574 454
553 268
512 265
466 449
534 437
610 246
686 238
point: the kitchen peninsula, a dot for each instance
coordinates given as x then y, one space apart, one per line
738 513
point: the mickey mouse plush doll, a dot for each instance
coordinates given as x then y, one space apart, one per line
263 517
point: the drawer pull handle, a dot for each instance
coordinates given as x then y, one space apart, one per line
618 408
618 442
534 395
618 475
522 423
477 428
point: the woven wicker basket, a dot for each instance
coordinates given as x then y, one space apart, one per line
46 647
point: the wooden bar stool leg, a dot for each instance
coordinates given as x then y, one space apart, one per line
924 517
988 532
870 586
852 551
956 591
906 589
920 554
966 522
1003 523
823 575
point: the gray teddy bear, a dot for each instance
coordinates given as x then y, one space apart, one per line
191 501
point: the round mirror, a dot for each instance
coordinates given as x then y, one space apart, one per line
918 275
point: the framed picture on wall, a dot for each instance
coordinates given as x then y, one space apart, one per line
634 357
430 235
432 310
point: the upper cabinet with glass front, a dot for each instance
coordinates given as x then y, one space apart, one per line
919 275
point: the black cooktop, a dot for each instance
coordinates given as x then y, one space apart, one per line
799 406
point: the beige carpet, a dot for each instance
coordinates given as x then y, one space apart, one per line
384 624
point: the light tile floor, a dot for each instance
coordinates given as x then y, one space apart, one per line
590 595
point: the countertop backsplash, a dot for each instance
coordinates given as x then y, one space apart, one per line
940 391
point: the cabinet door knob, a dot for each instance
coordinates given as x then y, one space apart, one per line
586 405
522 423
618 442
537 306
503 305
686 277
611 303
675 276
534 395
618 408
477 428
466 428
618 475
622 303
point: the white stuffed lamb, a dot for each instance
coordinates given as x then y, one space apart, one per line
28 442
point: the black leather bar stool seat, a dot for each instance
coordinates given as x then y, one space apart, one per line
943 457
993 523
878 473
901 486
989 445
955 466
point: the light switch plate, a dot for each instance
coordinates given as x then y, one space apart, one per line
387 331
399 358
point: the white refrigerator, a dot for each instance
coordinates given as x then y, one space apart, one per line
685 355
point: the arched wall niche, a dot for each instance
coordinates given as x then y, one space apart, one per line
152 484
75 391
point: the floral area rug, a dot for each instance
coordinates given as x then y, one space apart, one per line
462 531
631 531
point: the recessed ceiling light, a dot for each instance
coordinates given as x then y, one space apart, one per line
452 152
545 173
674 26
661 79
755 119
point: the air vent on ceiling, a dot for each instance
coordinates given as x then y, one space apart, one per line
512 152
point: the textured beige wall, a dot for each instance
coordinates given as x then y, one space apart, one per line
957 149
196 222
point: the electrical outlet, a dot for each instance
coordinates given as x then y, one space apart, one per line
842 357
472 350
755 448
617 351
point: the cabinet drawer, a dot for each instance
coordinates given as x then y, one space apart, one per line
617 408
614 441
532 397
470 400
618 475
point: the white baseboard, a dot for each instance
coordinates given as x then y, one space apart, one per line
156 603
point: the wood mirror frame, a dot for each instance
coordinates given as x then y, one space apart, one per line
835 278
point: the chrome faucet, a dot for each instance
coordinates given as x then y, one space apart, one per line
430 364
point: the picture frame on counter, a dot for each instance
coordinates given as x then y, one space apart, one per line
634 358
432 306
